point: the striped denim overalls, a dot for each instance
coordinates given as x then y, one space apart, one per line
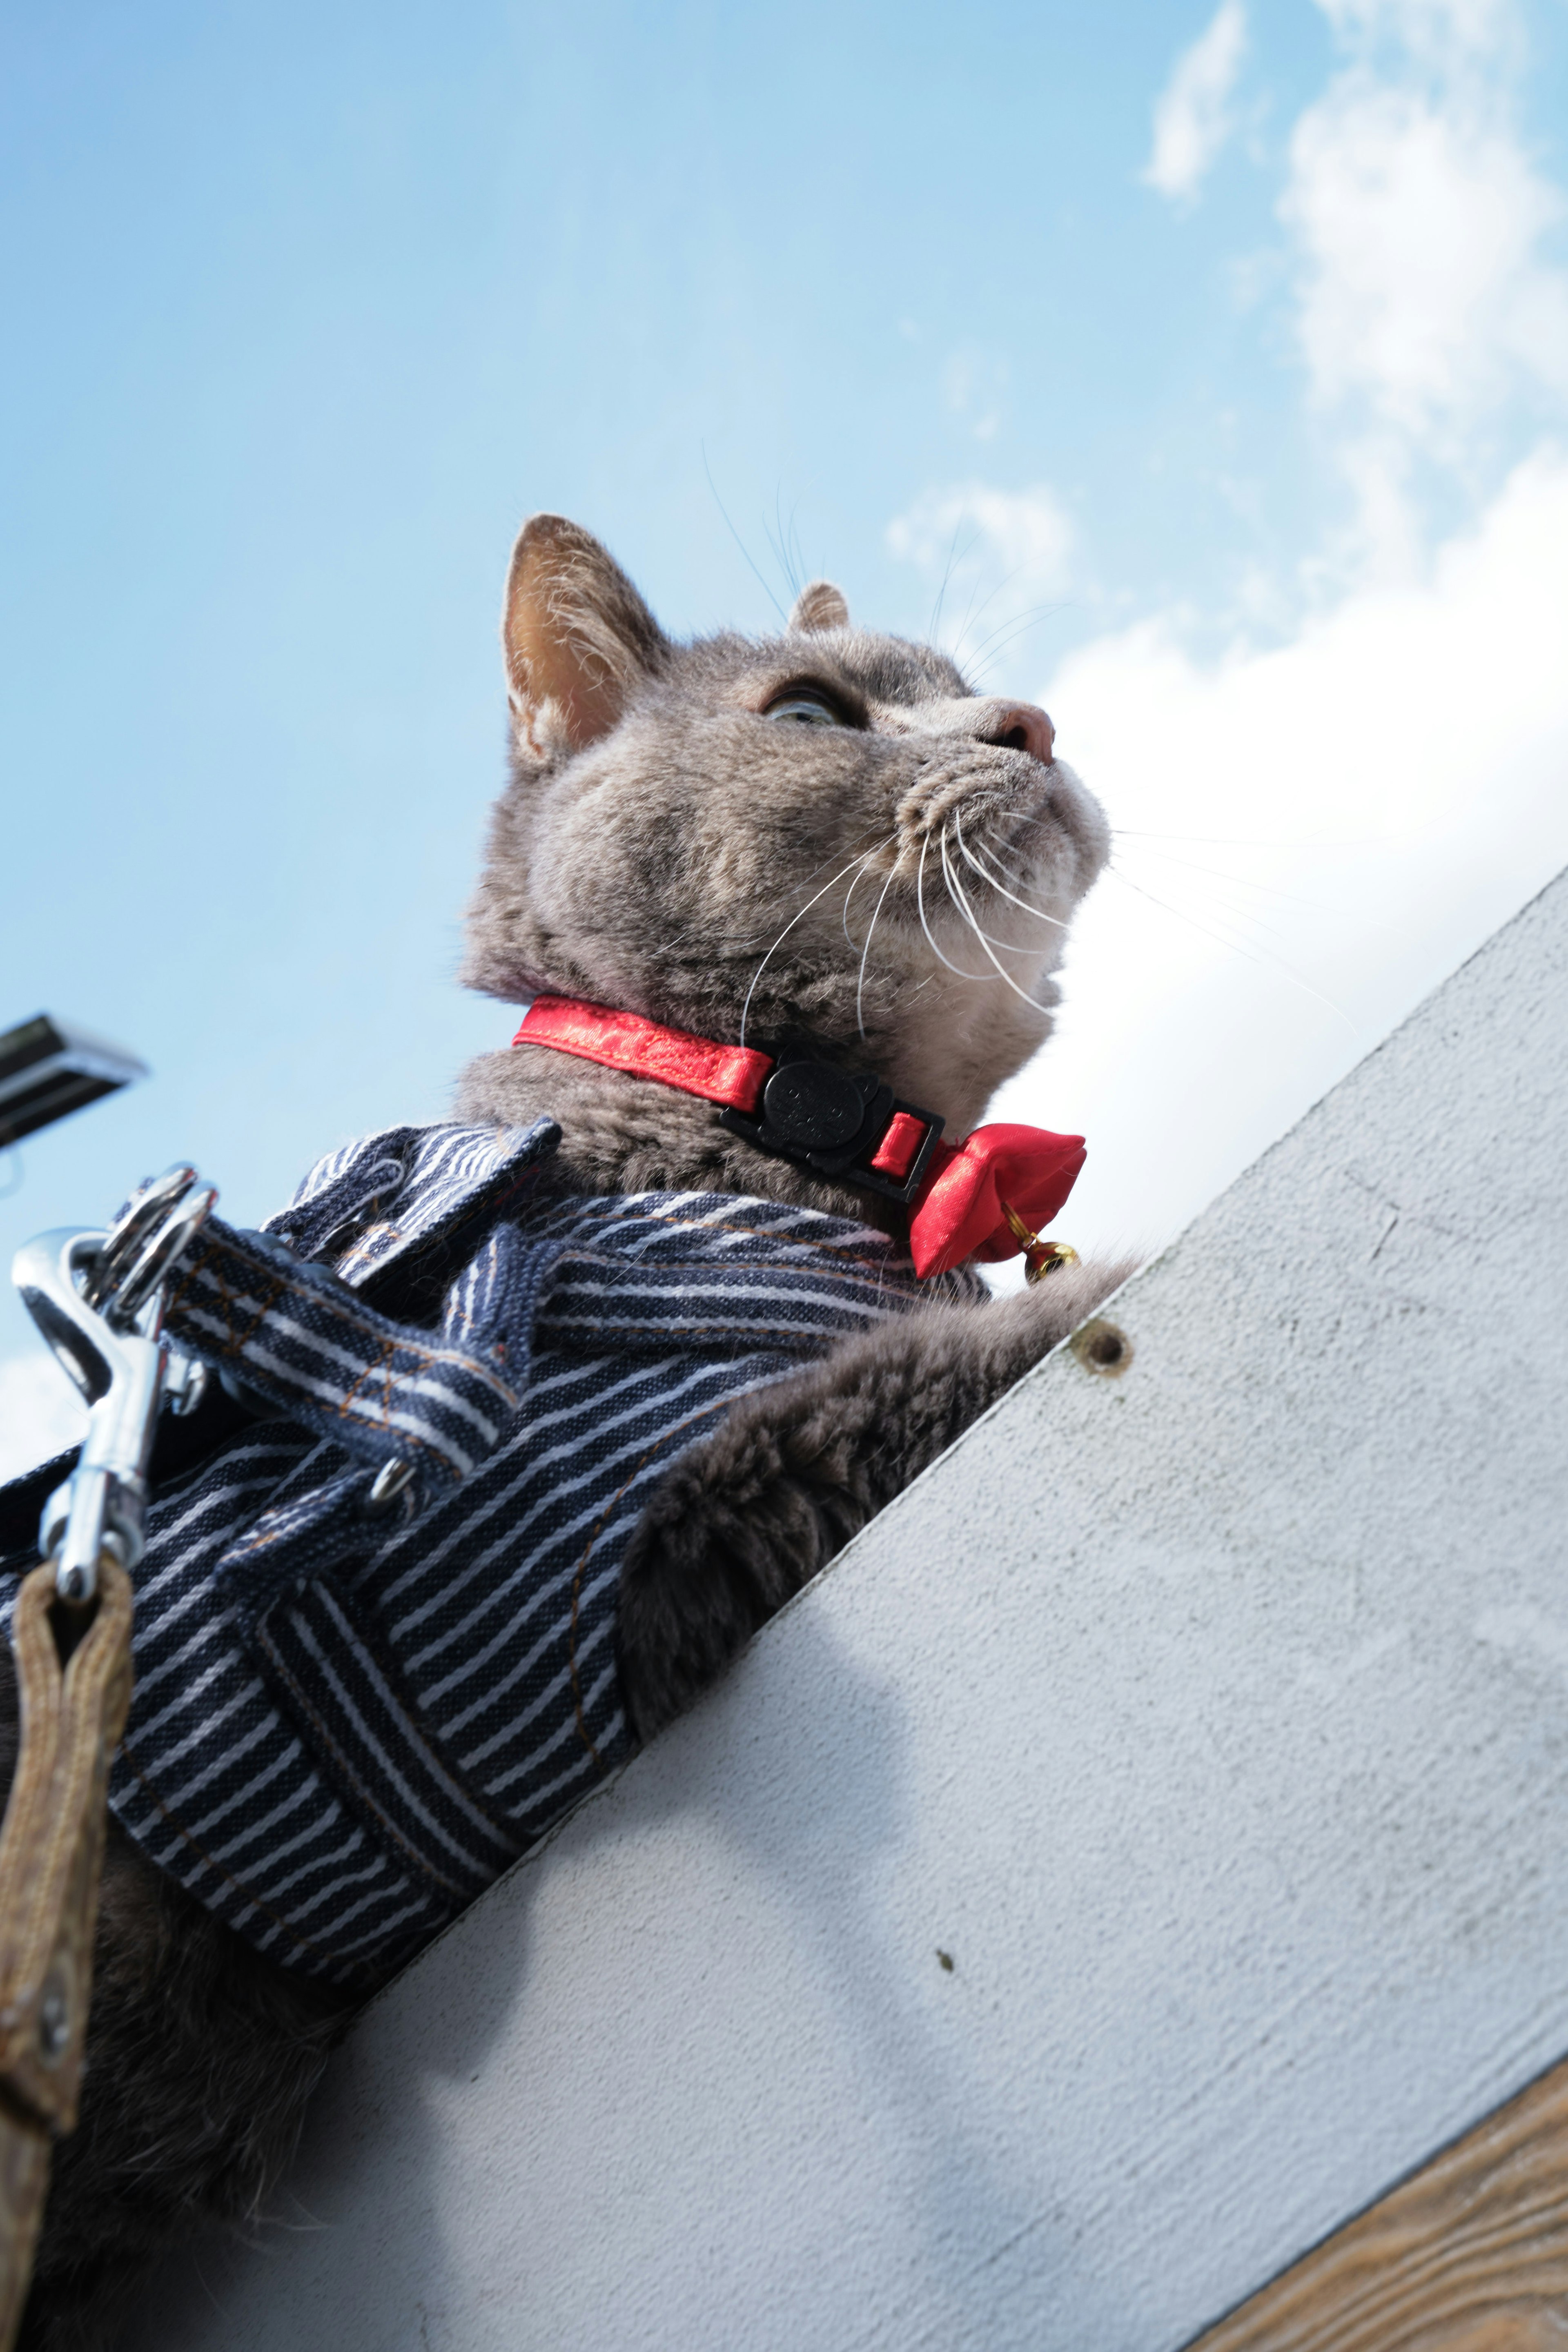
346 1725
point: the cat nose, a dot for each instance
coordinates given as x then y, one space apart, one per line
1020 727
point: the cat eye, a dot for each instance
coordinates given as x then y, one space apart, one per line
806 706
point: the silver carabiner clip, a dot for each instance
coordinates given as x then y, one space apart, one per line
98 1299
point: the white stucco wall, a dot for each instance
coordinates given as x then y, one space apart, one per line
1214 1719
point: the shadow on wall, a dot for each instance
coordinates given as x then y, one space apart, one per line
459 2019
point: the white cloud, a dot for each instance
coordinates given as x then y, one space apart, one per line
1342 817
1312 835
1419 223
1428 309
1192 118
40 1413
992 554
1440 32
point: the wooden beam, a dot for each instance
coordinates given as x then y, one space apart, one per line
1470 2254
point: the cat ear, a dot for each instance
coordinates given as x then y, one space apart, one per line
576 632
820 607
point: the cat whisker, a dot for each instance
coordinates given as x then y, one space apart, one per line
1038 912
994 643
861 976
866 854
1248 840
1259 956
1000 875
955 891
972 615
854 886
921 904
1237 881
1239 914
735 535
1219 907
785 544
947 575
959 898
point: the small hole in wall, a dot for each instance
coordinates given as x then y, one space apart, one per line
1102 1348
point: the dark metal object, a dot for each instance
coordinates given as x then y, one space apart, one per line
98 1298
47 1070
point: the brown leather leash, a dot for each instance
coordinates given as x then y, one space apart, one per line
51 1858
98 1298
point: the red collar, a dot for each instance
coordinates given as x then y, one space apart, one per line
986 1198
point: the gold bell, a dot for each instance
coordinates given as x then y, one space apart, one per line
1040 1257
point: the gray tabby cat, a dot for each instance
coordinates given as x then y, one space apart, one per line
745 840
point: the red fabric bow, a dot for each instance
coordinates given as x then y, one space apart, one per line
958 1212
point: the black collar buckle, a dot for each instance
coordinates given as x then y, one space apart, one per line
834 1122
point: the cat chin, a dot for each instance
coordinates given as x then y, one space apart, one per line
1082 820
1059 846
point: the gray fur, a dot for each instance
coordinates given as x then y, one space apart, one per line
666 847
743 1521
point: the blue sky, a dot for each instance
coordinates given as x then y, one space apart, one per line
1222 357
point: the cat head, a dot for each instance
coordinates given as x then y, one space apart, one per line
823 834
